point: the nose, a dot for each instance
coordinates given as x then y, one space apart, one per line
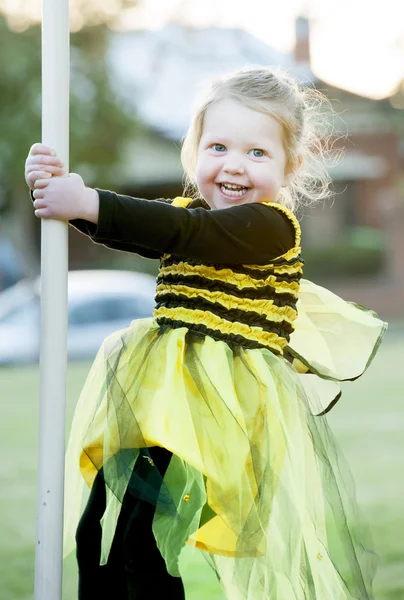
233 165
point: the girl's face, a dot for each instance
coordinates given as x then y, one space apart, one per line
241 158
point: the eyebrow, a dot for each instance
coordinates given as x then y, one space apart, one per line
210 137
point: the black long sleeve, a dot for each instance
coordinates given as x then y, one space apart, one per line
90 229
249 234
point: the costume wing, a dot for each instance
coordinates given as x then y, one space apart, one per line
333 341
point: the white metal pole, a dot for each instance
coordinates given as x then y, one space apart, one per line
54 264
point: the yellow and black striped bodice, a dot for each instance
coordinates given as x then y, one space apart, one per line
253 306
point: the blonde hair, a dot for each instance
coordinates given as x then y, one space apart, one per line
307 119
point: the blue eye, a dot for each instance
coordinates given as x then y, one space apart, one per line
219 147
257 153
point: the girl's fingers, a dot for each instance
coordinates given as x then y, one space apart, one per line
42 213
40 148
42 159
36 175
32 177
41 183
40 171
38 193
39 203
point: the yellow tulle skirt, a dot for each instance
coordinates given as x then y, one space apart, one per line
256 481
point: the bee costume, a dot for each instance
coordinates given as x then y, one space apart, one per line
232 375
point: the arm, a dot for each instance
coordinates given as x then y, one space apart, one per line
89 228
43 170
249 234
246 234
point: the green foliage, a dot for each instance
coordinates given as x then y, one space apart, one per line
99 124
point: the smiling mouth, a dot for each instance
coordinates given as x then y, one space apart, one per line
233 190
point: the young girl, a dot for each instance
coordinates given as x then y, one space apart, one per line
204 425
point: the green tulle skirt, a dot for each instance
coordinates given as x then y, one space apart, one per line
256 482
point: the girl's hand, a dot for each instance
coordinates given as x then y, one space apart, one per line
41 163
65 199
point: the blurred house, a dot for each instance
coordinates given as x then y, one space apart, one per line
161 74
360 234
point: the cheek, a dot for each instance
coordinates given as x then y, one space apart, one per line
260 176
205 171
266 179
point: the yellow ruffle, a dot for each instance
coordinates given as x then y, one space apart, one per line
296 268
180 201
239 280
208 319
264 307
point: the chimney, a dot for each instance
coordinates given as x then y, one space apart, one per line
302 47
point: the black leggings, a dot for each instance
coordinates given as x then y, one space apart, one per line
135 569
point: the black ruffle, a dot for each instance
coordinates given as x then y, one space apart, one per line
252 318
198 282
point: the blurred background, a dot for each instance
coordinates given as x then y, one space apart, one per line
136 67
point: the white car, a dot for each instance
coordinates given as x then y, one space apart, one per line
99 303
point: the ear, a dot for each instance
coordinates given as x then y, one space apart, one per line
290 173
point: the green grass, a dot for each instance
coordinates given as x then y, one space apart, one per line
368 423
